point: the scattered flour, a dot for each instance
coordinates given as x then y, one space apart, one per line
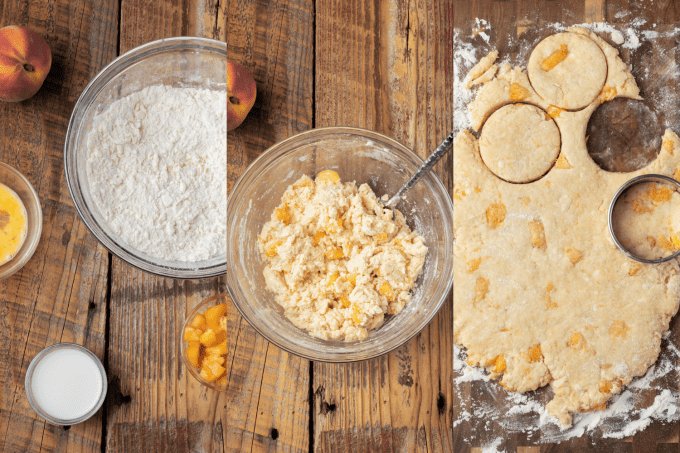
464 58
524 412
156 166
626 414
480 29
493 447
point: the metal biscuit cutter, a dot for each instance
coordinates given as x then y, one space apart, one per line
610 214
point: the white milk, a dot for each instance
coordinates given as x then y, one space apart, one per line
66 383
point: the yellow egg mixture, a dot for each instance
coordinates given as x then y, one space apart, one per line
13 224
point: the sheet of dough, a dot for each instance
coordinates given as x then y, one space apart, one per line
542 294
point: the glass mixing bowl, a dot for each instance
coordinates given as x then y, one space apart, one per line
20 185
356 155
178 62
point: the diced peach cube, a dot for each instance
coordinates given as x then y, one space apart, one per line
213 315
219 348
335 253
208 338
328 176
198 321
192 334
194 353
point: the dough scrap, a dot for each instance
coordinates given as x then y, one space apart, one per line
620 82
480 69
488 76
577 79
336 260
519 143
542 294
510 85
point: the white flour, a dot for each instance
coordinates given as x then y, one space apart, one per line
157 170
525 412
630 411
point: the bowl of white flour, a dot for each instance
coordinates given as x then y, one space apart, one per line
145 157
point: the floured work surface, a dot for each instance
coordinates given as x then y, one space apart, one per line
541 292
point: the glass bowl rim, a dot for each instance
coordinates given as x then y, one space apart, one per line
182 344
89 94
362 133
16 266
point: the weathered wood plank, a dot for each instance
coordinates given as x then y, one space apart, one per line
60 296
155 405
387 66
268 389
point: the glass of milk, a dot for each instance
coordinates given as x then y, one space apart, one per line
65 384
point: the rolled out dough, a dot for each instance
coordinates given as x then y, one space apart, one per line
542 295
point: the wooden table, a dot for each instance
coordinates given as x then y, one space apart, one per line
383 65
512 19
73 290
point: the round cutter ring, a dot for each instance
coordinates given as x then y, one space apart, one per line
638 180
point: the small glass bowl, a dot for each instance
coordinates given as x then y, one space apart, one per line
178 62
20 185
356 155
200 308
28 381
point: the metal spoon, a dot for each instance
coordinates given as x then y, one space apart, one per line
438 153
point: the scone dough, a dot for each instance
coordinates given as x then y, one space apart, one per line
482 70
574 82
510 85
337 262
542 295
519 143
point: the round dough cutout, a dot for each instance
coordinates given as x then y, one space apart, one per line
567 70
519 143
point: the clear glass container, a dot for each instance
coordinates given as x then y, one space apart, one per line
200 308
178 62
356 155
28 384
20 185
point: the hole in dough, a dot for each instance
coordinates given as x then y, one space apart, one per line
567 70
624 135
519 143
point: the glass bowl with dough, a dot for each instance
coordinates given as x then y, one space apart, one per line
128 129
25 214
355 155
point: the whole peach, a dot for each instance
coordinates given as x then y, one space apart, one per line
25 60
241 93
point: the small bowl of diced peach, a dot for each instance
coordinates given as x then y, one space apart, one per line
204 342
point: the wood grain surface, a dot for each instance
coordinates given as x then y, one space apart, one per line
60 295
515 18
386 66
72 290
268 389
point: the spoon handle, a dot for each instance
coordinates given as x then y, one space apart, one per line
438 153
